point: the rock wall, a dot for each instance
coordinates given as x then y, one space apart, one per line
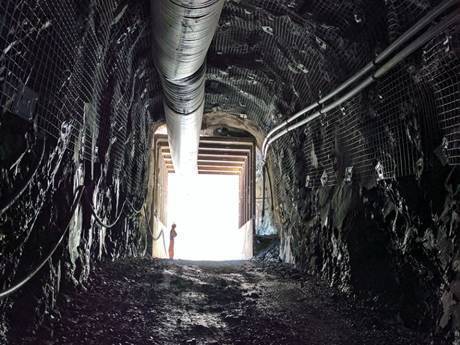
392 234
396 241
87 66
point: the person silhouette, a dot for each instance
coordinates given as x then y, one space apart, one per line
172 235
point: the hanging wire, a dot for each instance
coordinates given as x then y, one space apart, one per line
135 211
17 286
161 233
99 220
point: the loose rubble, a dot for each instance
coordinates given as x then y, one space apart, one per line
143 301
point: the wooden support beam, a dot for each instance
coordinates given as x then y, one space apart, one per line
212 166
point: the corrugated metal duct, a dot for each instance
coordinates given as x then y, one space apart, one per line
183 31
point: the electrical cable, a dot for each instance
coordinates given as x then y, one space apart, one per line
99 220
380 72
421 24
18 285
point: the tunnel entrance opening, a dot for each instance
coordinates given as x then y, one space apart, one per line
214 210
206 213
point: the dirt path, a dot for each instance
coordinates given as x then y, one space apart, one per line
142 301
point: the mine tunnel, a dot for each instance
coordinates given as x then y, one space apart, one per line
230 172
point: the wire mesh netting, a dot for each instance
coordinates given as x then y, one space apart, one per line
442 72
86 64
300 52
78 92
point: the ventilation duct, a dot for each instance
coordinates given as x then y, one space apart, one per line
183 31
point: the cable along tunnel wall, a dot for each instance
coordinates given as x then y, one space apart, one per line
364 195
398 123
76 78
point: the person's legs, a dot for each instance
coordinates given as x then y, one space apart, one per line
171 249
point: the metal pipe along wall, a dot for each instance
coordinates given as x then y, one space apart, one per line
183 31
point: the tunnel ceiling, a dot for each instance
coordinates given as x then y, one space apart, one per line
270 59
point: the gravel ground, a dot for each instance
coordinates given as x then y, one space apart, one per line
145 301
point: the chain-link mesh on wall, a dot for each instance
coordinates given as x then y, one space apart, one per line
442 72
80 73
400 123
272 58
87 64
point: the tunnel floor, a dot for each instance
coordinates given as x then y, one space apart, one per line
144 301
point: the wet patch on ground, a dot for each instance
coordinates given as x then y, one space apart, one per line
144 301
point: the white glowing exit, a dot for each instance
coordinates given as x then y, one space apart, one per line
205 210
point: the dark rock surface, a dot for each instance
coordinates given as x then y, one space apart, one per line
146 301
42 161
267 249
396 242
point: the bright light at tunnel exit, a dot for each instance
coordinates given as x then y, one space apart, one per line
205 210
